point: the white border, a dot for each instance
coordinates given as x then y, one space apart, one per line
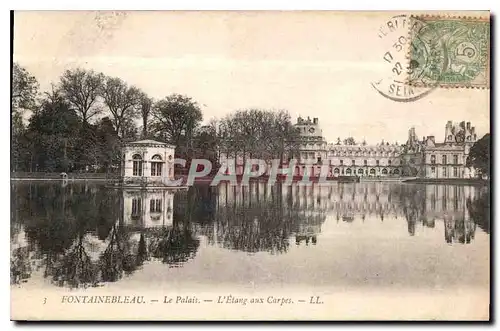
186 5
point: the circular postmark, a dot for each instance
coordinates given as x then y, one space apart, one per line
414 58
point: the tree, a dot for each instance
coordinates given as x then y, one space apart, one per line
53 130
82 88
258 133
24 89
122 101
175 118
479 156
146 105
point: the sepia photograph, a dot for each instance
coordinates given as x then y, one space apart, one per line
250 165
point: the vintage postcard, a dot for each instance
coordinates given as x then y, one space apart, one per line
250 165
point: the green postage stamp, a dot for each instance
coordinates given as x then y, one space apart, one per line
449 52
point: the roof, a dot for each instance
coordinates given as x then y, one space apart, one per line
147 142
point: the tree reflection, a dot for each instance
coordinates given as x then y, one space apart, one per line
251 219
173 245
82 235
479 210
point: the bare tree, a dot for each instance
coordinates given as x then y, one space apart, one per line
24 89
122 101
82 88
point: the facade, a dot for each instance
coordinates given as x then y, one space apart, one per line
147 163
344 158
424 158
430 159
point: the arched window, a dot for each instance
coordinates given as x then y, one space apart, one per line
396 171
348 171
384 171
156 165
336 171
360 171
137 165
372 171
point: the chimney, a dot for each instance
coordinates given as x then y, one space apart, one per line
473 130
315 120
468 125
433 139
449 124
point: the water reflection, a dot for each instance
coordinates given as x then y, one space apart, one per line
80 235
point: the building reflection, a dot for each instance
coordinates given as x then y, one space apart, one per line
81 235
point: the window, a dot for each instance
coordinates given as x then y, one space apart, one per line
372 171
450 137
348 171
444 159
353 162
455 159
366 162
155 205
378 162
433 170
433 159
341 162
389 162
137 165
384 171
156 165
136 206
360 171
455 172
444 172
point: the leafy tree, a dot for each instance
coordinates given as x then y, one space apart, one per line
54 128
81 88
175 118
122 101
479 156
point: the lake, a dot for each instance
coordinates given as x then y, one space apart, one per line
344 236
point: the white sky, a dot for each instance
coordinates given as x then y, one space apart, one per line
317 64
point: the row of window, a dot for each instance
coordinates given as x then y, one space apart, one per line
154 206
365 162
137 169
386 154
444 171
360 171
444 159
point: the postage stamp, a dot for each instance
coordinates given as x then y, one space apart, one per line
449 52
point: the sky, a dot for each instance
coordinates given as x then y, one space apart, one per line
317 64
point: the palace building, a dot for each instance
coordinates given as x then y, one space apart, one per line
430 159
416 158
346 158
